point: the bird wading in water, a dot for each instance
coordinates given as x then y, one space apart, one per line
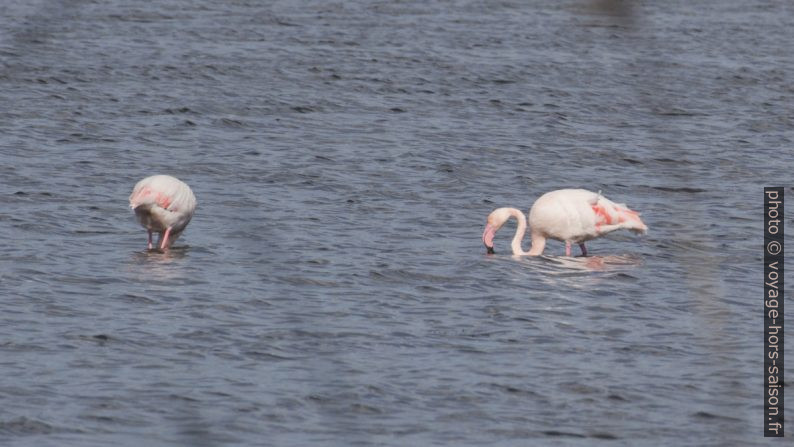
164 205
573 216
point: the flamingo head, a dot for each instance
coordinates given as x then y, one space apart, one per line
142 198
135 206
495 220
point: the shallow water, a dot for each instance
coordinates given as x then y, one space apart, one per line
332 288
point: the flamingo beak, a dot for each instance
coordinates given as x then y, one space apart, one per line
487 238
139 206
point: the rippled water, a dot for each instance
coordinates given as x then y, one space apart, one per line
332 288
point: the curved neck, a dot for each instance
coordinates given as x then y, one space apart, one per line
521 229
538 241
538 244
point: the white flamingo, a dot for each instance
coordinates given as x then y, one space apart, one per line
568 215
164 205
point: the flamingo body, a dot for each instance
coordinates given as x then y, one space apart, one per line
568 215
164 205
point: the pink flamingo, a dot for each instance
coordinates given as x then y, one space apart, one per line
164 205
568 215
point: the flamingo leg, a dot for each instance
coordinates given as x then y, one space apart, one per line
164 242
150 239
567 248
584 249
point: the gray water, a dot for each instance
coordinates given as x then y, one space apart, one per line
332 288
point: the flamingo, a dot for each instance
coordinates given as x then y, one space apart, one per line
568 215
164 205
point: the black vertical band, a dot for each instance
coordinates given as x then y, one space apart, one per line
773 312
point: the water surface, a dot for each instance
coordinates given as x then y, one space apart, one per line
332 288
